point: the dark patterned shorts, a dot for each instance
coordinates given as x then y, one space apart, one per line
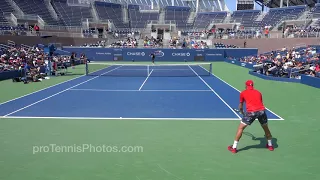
249 117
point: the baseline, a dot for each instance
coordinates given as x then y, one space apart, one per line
120 118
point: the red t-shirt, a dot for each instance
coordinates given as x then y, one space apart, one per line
253 100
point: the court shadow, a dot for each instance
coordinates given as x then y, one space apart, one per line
262 144
73 74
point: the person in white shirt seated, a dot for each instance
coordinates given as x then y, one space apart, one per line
287 64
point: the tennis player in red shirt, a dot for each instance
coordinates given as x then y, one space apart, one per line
255 110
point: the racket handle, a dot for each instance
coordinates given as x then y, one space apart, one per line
238 111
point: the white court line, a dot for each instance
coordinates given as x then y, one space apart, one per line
59 92
215 93
170 173
145 80
118 118
151 90
47 88
280 118
154 69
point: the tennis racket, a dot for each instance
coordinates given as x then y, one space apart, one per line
250 135
237 110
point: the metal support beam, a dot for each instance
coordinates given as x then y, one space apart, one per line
197 6
219 4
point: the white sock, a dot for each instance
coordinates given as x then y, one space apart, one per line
235 144
269 143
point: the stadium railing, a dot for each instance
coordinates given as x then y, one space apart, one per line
62 28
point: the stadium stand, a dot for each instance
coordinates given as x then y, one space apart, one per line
125 43
245 17
152 42
221 45
203 19
145 4
71 15
138 19
112 12
276 15
9 30
97 44
5 8
315 13
205 6
31 64
179 15
287 63
134 15
37 7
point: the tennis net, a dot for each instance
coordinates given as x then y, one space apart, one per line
178 70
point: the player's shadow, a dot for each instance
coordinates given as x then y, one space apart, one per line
262 144
73 74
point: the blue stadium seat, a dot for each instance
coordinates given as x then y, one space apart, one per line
112 12
202 20
71 15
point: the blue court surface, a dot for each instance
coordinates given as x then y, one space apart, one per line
150 93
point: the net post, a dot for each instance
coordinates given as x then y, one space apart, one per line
210 69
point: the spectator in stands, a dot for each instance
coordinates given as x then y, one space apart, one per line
317 69
37 29
152 42
84 59
31 60
266 32
98 44
184 43
314 69
220 45
287 63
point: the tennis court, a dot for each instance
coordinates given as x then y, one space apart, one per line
172 150
133 91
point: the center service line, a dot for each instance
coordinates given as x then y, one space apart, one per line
145 80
